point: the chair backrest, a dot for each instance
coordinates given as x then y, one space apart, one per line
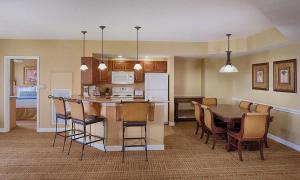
208 117
197 107
135 111
253 125
209 101
59 105
77 109
245 105
260 108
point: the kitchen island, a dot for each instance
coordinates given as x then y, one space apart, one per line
110 108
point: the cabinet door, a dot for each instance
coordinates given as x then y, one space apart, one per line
118 66
128 65
149 66
105 75
161 66
139 75
91 75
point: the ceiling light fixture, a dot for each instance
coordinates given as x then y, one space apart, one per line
228 67
83 66
102 65
137 65
120 56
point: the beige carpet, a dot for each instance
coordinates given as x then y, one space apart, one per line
25 154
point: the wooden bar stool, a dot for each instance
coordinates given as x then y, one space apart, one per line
79 117
61 113
135 114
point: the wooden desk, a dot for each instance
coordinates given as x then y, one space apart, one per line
184 99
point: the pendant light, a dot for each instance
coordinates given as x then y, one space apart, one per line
83 66
228 67
102 66
137 65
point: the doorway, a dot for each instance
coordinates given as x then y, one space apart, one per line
21 92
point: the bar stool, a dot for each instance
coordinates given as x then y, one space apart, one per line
79 117
61 113
135 114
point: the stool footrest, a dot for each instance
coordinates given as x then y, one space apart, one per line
135 138
138 145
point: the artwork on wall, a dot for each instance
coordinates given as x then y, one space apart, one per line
285 76
260 76
30 75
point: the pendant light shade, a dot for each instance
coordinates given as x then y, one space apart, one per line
228 67
102 65
137 65
83 66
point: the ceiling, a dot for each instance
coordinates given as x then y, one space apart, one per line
167 20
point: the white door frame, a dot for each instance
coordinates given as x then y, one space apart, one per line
7 60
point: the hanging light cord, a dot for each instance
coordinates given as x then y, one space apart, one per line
83 43
137 43
102 45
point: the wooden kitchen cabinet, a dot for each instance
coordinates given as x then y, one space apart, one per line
90 76
105 75
155 66
122 65
139 75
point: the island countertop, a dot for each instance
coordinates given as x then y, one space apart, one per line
97 99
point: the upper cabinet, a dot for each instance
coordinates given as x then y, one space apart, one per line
105 75
91 75
155 66
94 76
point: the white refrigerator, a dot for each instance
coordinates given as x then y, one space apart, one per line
157 89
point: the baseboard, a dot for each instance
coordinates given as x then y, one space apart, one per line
2 130
171 123
49 129
284 142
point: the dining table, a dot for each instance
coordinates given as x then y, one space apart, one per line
231 114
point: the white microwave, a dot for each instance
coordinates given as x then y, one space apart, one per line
122 77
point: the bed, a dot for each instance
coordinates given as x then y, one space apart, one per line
26 103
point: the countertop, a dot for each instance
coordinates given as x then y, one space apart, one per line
113 100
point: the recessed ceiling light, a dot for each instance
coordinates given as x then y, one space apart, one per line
120 56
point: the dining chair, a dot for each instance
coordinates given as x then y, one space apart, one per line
61 113
209 101
253 129
245 105
210 126
81 118
260 108
134 114
199 118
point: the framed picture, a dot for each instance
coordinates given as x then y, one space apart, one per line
260 76
30 75
285 76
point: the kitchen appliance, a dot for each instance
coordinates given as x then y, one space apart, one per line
157 89
122 77
138 93
126 93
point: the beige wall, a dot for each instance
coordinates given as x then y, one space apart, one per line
285 125
19 70
187 76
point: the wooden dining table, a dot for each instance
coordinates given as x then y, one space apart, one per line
230 114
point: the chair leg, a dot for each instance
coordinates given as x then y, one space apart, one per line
228 143
197 127
202 132
84 141
123 144
215 141
104 134
65 138
146 142
240 150
55 133
90 135
261 147
266 141
73 134
207 137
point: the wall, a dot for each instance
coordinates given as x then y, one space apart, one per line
286 124
59 56
187 76
19 70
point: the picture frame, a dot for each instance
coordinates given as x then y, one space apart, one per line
30 75
285 76
260 76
